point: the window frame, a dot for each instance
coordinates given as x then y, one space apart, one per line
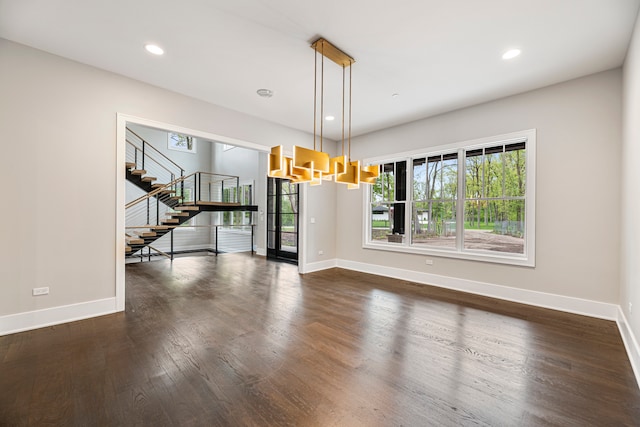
527 259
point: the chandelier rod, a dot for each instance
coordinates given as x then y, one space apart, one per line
321 94
343 83
315 96
350 84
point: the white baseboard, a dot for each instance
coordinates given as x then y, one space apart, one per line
320 265
630 343
12 323
540 299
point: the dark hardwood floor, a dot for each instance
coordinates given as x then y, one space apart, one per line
236 340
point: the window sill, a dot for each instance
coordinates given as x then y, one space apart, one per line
479 256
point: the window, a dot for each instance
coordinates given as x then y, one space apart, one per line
389 197
471 200
435 192
494 212
243 195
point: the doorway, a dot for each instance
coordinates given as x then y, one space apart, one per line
257 188
282 220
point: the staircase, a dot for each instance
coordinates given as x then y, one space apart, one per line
166 206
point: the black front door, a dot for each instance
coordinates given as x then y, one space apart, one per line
282 219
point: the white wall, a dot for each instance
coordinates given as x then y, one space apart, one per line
237 161
321 228
58 125
578 198
630 246
200 161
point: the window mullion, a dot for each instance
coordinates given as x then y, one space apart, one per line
462 170
408 203
504 172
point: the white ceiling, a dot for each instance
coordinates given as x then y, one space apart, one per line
438 55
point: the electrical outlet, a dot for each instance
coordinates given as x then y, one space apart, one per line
41 291
429 261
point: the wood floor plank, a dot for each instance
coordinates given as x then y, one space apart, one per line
238 340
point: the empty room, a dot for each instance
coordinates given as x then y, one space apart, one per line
357 213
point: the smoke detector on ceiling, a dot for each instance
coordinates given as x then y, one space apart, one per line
265 93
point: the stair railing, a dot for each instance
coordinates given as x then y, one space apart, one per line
208 187
224 238
147 157
158 190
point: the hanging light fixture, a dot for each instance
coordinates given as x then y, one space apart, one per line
315 166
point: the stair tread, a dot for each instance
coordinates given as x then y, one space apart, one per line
149 178
146 233
130 165
187 208
170 221
138 172
179 213
134 241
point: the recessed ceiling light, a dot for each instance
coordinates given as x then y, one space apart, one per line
329 118
510 54
154 49
265 93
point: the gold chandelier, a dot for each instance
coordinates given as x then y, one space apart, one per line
313 166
